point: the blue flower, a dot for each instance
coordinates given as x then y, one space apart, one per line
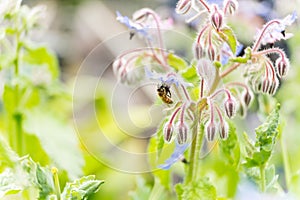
137 28
169 79
178 152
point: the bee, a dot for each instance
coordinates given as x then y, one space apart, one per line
164 93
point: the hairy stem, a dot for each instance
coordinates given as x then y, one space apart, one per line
262 178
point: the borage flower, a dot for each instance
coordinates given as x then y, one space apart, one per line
176 155
274 31
134 27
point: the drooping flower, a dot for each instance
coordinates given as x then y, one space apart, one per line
135 27
178 152
274 30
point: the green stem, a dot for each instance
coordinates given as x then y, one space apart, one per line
285 162
262 178
198 149
192 160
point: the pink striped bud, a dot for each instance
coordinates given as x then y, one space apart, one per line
168 132
183 6
198 51
230 107
217 18
210 131
266 84
282 66
230 6
211 52
223 130
247 97
182 133
273 86
118 65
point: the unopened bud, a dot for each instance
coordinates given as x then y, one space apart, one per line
247 97
183 6
266 83
198 51
182 133
223 130
282 65
211 52
117 65
230 6
210 131
168 132
217 18
273 87
229 107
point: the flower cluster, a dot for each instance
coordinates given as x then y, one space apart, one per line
207 98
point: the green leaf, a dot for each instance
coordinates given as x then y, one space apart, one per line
267 133
41 56
45 182
230 147
81 188
57 138
198 190
190 74
228 36
142 191
176 62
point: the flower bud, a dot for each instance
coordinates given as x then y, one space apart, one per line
247 97
229 107
273 87
230 6
265 87
217 18
198 51
168 132
182 133
223 130
183 6
211 52
282 66
210 131
117 65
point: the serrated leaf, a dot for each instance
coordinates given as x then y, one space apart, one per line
267 133
230 147
82 188
41 56
45 182
57 138
198 190
228 36
176 62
